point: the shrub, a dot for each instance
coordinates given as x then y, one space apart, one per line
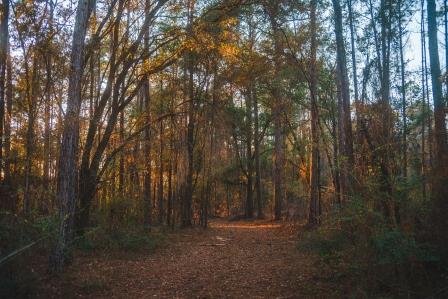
21 239
359 245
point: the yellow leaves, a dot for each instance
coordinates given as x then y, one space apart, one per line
229 52
209 37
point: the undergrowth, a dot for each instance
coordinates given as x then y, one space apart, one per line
129 239
21 240
374 259
25 244
119 228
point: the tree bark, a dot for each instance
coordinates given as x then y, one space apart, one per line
423 103
278 110
344 121
48 103
440 169
445 14
258 194
188 198
161 214
4 41
147 208
353 48
68 156
29 144
403 91
8 117
313 218
249 165
121 160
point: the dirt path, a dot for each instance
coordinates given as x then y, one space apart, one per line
228 260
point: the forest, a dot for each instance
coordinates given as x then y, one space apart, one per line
223 149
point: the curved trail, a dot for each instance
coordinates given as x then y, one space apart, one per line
228 260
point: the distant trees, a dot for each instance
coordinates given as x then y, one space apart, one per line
169 112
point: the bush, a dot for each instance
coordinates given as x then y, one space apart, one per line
17 277
359 245
119 228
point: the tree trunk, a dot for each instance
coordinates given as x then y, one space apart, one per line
257 158
423 103
278 107
345 124
403 92
160 205
147 206
8 117
445 13
440 169
385 153
68 156
358 101
4 41
188 199
147 210
249 192
29 144
121 162
47 105
352 43
314 164
169 209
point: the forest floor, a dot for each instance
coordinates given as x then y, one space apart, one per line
243 259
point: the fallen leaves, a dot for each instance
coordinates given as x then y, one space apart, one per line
256 259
